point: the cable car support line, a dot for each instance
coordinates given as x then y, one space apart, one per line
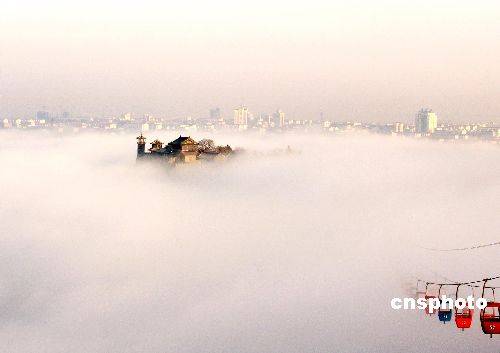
463 249
470 283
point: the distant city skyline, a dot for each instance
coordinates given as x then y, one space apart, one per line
426 125
227 112
241 114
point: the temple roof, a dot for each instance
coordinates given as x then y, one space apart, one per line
181 140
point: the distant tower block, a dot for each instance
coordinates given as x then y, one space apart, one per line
425 122
141 145
279 117
241 116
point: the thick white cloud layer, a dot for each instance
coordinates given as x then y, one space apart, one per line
298 253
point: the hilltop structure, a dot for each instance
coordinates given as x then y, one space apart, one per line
182 150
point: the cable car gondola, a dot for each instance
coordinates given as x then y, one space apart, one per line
444 315
490 315
463 317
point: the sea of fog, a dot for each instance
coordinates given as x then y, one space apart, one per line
268 253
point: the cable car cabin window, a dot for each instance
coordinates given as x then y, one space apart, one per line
491 312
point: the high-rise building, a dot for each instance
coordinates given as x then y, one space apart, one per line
41 115
425 121
279 118
127 116
148 118
399 127
241 116
215 114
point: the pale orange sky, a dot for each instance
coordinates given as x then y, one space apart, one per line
367 60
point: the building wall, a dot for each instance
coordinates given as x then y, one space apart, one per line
241 116
425 121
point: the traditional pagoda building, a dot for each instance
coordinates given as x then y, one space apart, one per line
156 146
181 150
141 145
186 147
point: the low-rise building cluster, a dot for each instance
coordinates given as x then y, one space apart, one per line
425 125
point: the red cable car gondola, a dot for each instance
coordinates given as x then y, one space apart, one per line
490 315
463 317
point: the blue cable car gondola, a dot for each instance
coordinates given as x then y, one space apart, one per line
444 315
